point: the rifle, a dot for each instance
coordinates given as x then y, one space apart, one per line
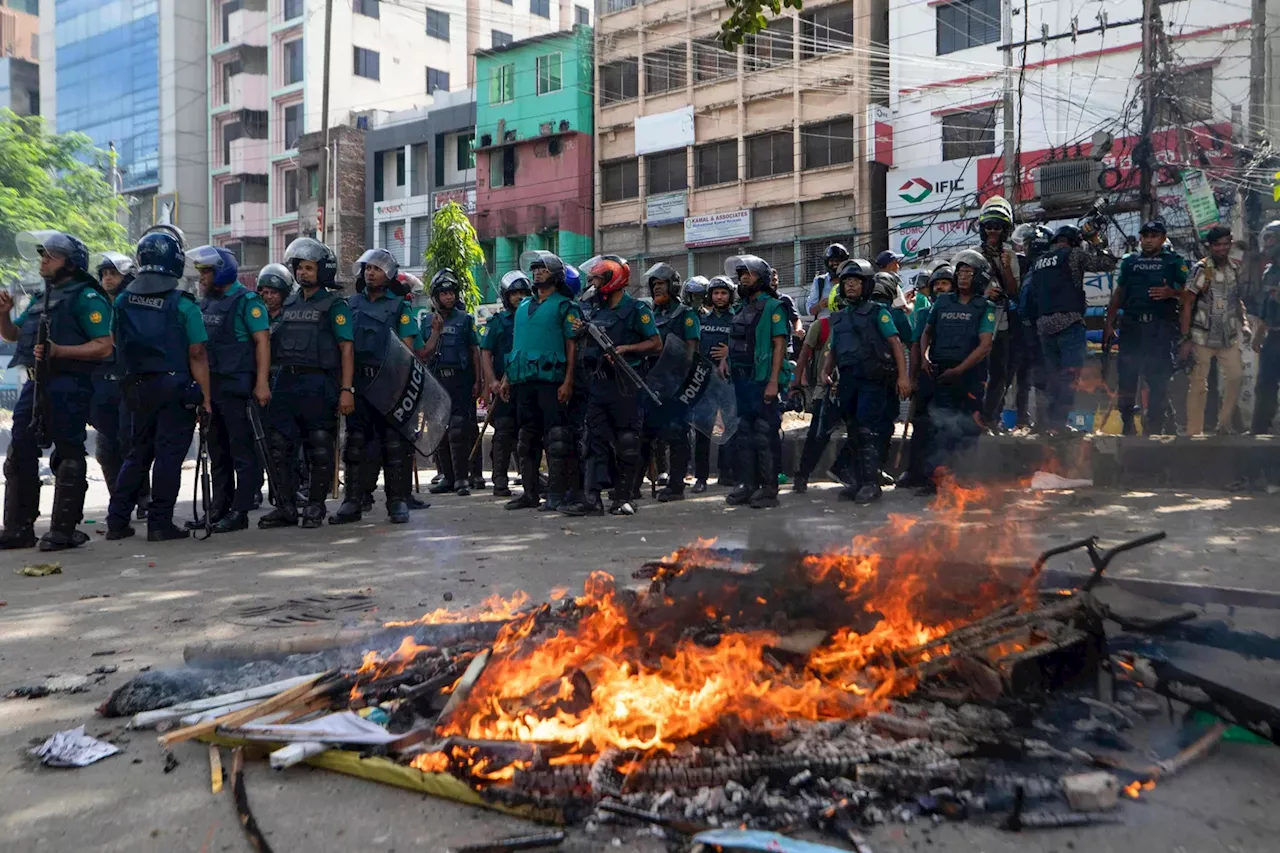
488 419
202 472
606 345
260 443
41 410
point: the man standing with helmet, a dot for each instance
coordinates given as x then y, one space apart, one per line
275 285
715 322
496 339
757 346
313 345
995 224
378 307
613 410
866 346
160 342
941 280
239 350
1056 304
453 351
666 423
1267 306
951 370
79 340
886 291
1146 289
539 380
820 290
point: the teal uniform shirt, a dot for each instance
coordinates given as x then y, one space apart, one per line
690 326
920 318
92 312
641 323
772 325
539 339
251 316
901 322
189 315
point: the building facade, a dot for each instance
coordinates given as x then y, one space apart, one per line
1076 125
416 162
19 55
534 154
145 95
266 79
703 152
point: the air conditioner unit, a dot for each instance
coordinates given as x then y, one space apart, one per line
1067 183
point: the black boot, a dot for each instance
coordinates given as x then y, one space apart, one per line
744 466
144 499
868 461
398 467
109 461
323 463
166 532
444 460
502 448
529 452
353 487
766 493
233 520
699 487
589 505
285 513
414 502
21 503
460 451
69 487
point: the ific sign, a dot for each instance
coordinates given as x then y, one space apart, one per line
924 190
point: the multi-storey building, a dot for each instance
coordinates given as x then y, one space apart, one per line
702 152
131 74
266 79
19 53
535 168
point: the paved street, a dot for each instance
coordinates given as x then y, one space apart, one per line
147 601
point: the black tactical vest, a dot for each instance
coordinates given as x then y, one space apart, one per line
227 356
304 336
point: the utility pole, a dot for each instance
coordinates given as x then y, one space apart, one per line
1146 198
324 125
1011 178
1257 109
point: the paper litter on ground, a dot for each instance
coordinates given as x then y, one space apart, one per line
73 748
343 727
1042 480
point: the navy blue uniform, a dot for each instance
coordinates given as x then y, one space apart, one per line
454 368
715 331
955 328
1148 334
1268 382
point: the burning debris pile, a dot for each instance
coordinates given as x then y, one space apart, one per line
904 677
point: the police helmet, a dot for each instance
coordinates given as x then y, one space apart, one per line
835 252
160 252
1041 241
944 272
572 280
975 261
514 282
722 282
1070 233
33 244
1270 234
311 249
1022 236
118 261
996 210
535 258
445 279
613 271
172 230
666 273
222 262
694 293
886 287
736 265
385 261
852 268
276 277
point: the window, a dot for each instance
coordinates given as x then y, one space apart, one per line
229 70
667 172
541 8
1189 98
620 180
582 16
619 80
438 24
827 144
437 80
369 8
711 62
770 154
969 133
548 68
664 70
399 167
228 9
498 38
502 167
466 152
232 194
292 125
826 30
967 23
618 5
420 233
231 131
392 238
292 9
293 62
366 63
502 85
771 46
313 182
716 163
291 191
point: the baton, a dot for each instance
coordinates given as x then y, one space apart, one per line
337 450
202 467
488 419
260 443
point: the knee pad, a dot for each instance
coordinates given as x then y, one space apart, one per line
72 468
321 442
354 451
394 446
629 446
559 442
526 441
504 425
762 433
457 422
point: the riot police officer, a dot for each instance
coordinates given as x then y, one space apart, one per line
496 340
540 379
1147 286
757 345
666 423
160 338
107 412
941 281
452 349
613 420
866 346
1265 343
79 339
816 304
313 345
275 285
714 344
886 291
694 294
239 350
379 313
995 224
953 350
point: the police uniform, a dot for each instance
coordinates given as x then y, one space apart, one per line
714 325
79 313
667 425
453 364
760 319
1148 334
305 343
1268 382
155 325
1054 293
497 338
955 330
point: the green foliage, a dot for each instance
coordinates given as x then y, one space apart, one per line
748 16
454 245
53 181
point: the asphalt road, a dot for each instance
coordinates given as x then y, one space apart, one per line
147 601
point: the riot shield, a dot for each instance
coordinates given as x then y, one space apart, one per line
690 381
408 396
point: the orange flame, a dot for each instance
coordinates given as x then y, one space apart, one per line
495 607
1134 788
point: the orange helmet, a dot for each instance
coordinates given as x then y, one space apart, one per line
612 271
